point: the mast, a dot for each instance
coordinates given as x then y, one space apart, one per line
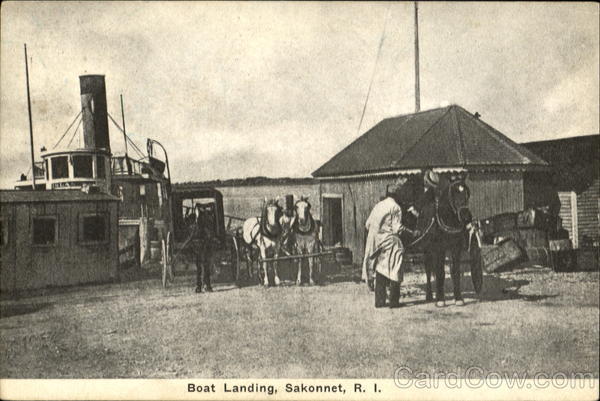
417 86
125 136
30 121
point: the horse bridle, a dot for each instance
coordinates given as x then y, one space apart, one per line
264 224
450 197
448 229
311 221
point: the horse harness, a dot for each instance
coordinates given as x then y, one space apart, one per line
306 228
263 227
438 219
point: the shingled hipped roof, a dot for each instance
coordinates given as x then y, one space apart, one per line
444 137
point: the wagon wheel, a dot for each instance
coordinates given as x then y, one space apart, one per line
476 266
247 256
167 260
234 259
260 274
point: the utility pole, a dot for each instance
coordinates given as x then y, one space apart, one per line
417 86
30 121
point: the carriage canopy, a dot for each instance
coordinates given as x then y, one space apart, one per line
184 202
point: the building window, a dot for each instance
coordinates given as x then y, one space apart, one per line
100 167
82 166
3 232
93 228
44 230
60 167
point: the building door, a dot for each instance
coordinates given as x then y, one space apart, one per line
333 228
129 245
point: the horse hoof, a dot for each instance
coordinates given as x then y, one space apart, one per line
429 298
312 282
440 304
460 302
266 282
298 282
277 281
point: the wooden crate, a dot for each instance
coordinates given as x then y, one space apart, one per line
587 259
500 256
539 256
558 245
533 238
504 221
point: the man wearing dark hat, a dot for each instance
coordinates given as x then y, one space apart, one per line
384 249
431 183
203 240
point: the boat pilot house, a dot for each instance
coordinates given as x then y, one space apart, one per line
502 175
57 238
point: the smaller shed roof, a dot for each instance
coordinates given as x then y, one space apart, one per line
20 196
575 160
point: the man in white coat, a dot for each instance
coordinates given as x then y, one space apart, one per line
384 249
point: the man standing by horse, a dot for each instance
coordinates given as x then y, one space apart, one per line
286 221
431 184
384 249
203 239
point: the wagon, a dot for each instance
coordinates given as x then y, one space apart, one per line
177 243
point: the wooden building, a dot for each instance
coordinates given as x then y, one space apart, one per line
449 140
57 238
576 176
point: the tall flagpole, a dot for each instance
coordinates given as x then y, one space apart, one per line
417 86
30 121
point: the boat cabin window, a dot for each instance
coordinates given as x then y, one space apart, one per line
82 166
160 194
100 167
93 228
60 167
44 230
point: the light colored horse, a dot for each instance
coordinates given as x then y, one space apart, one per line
306 235
265 233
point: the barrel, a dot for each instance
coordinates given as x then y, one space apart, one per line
343 256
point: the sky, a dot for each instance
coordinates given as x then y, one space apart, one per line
238 89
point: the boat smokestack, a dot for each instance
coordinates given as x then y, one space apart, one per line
93 111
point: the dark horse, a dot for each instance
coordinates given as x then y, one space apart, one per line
443 216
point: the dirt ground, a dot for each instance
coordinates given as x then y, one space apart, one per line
532 320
